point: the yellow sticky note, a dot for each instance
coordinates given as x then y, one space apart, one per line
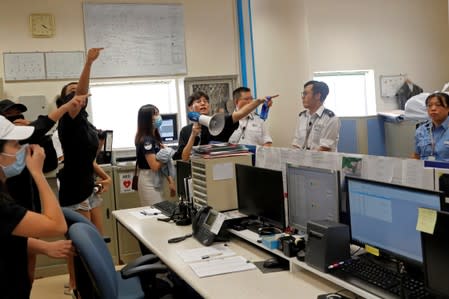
426 220
372 250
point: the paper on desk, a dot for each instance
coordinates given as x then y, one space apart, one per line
222 266
202 253
145 213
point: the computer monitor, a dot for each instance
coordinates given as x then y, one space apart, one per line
260 194
313 194
384 216
183 171
169 128
435 249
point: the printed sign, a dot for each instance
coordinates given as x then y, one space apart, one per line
126 179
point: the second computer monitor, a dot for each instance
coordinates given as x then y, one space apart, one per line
260 193
313 194
384 216
169 128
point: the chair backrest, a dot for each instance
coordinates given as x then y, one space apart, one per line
72 217
96 258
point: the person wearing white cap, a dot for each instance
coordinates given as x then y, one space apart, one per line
17 223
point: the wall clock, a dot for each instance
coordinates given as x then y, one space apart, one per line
42 25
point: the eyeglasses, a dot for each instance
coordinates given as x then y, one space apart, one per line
304 93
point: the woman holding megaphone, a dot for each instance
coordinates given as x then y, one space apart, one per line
197 134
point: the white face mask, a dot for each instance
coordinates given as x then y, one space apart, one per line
18 166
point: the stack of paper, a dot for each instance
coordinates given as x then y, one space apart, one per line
222 266
214 260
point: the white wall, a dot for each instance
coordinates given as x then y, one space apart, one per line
297 38
210 34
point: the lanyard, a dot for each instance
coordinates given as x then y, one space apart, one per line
242 135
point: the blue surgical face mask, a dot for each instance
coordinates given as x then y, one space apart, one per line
18 166
157 122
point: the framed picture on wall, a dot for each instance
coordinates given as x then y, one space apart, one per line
218 88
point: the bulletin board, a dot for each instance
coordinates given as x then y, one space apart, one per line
24 66
389 85
64 65
138 39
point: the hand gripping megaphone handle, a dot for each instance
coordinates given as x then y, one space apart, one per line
194 116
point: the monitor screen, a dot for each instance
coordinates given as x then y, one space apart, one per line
183 171
260 194
169 128
313 194
384 216
435 250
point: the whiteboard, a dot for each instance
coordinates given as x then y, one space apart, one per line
138 39
389 85
64 65
24 66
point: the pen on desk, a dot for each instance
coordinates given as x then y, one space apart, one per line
149 214
205 257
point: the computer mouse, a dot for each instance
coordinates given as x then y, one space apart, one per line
272 263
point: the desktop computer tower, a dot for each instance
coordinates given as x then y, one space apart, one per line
327 243
213 181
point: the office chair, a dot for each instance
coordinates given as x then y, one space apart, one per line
136 280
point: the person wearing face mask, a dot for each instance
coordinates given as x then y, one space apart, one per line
150 154
19 181
18 226
79 142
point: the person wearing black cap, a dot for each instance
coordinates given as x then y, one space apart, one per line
20 184
29 197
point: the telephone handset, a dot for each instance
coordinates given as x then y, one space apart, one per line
207 224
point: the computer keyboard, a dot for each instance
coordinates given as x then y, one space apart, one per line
166 207
368 273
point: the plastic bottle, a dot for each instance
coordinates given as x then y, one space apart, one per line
265 109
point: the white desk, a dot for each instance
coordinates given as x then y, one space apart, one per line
248 284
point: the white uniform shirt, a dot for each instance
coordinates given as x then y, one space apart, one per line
252 130
320 129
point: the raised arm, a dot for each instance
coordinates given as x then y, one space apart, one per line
51 222
83 82
247 109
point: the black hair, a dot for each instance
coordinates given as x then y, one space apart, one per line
2 144
61 98
238 92
318 87
196 96
145 125
443 98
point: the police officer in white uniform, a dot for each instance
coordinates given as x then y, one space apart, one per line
318 128
252 129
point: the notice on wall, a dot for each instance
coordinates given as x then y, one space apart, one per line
126 179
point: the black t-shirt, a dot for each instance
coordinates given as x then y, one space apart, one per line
79 142
14 282
149 145
206 137
22 187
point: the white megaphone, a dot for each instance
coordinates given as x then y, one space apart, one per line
214 123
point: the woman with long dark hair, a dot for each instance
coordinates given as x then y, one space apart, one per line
148 143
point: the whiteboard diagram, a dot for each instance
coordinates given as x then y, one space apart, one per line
24 66
138 39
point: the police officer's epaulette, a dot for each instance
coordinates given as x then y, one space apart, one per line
302 112
329 113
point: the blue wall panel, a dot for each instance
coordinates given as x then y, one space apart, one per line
348 142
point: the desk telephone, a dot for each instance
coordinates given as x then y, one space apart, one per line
207 226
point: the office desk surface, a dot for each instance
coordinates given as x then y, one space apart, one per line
248 284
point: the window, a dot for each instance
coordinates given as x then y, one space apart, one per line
351 93
114 106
